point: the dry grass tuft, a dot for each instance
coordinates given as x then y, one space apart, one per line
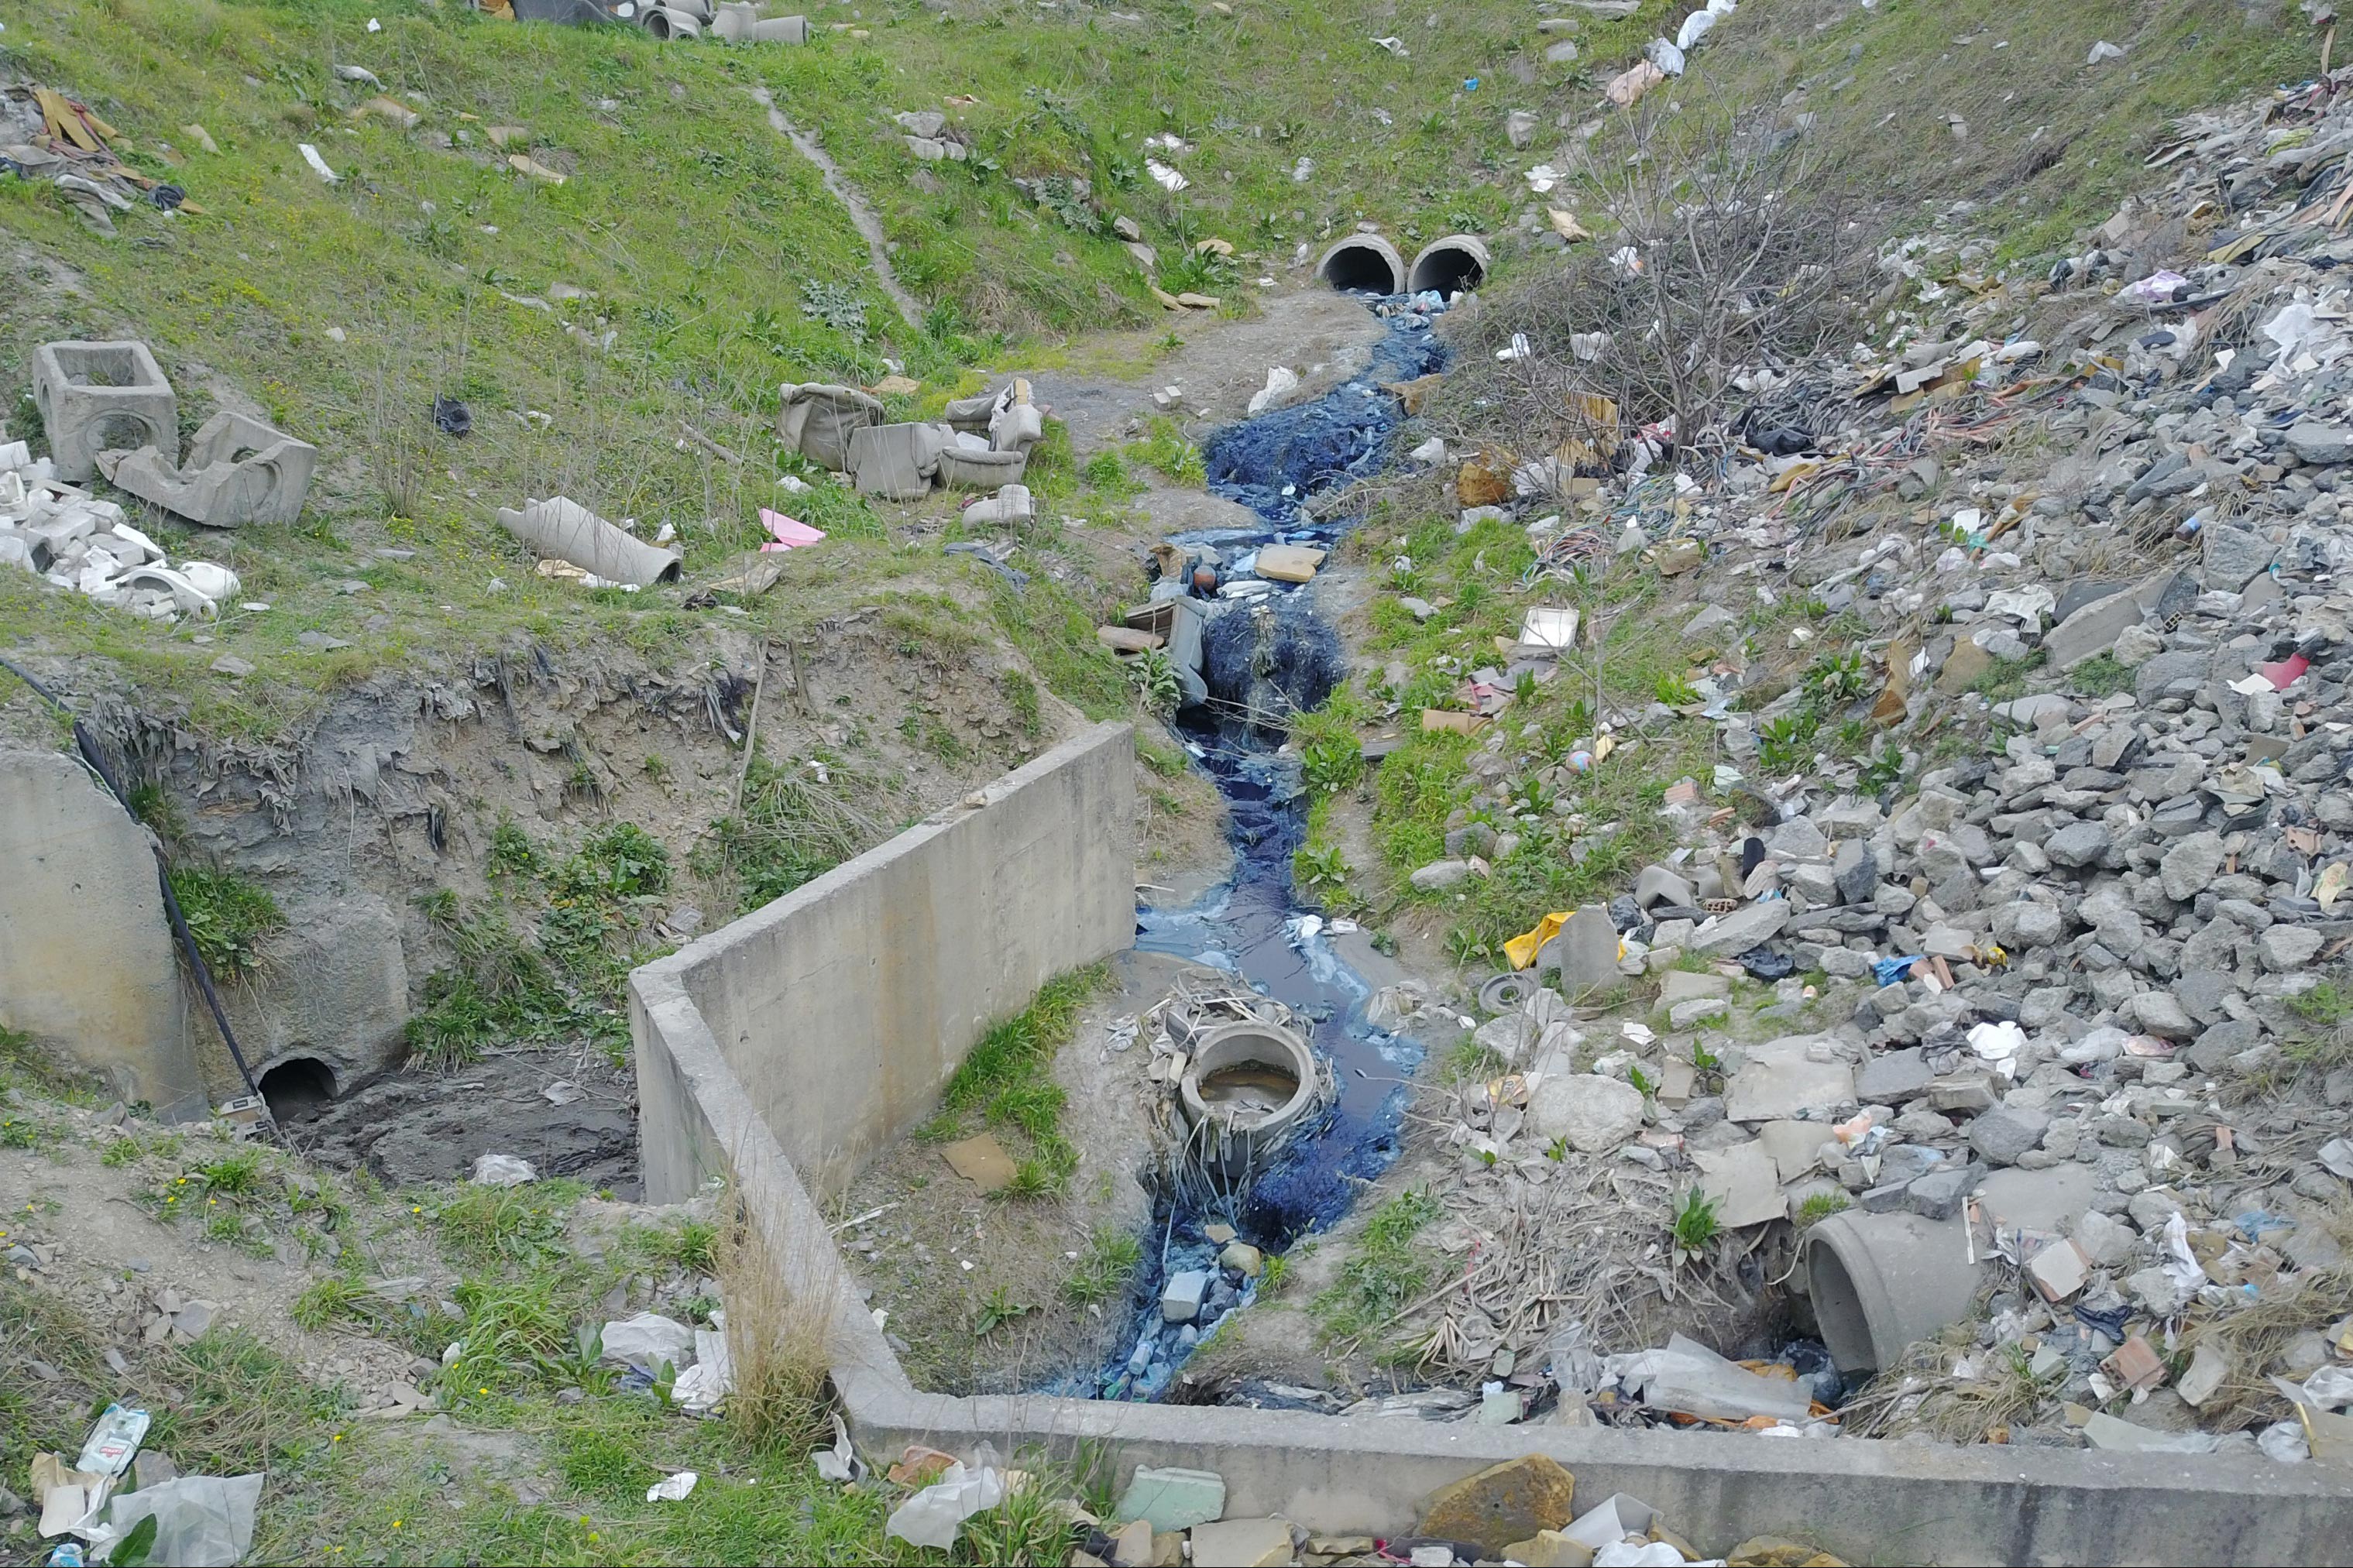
776 1339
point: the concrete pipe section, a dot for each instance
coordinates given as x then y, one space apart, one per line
1365 263
1249 1084
1450 265
1881 1282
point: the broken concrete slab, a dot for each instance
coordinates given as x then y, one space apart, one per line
1781 1081
1742 929
1745 1181
982 1161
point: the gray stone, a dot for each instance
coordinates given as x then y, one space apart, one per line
2161 670
2232 556
2023 923
2001 1134
2106 1240
2286 947
2161 1015
1857 871
1938 1195
1595 1114
1440 875
1587 952
2314 442
1742 929
1893 1077
2077 844
2094 629
2190 865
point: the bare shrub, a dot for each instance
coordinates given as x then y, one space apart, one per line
1722 250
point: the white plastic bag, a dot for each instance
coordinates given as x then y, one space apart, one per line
502 1171
647 1339
932 1516
711 1378
1281 381
201 1521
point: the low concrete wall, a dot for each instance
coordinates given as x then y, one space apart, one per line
1867 1502
86 959
847 1003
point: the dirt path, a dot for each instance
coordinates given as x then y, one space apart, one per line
861 216
1324 338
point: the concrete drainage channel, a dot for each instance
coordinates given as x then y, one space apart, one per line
743 1073
911 947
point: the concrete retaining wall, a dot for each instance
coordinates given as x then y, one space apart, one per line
85 961
846 1004
1867 1502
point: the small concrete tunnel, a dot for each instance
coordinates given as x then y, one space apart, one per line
1366 263
298 1087
1450 265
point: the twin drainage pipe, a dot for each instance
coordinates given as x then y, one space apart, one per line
1449 265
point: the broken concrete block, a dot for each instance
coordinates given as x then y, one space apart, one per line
1241 1543
95 397
1181 1297
239 471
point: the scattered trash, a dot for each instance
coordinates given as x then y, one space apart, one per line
318 164
677 1488
789 533
502 1171
452 417
563 530
648 1340
1281 382
839 1464
934 1515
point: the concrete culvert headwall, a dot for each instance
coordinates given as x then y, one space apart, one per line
1364 262
1451 264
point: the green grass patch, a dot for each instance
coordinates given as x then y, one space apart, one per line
1104 1269
228 915
1385 1273
1007 1078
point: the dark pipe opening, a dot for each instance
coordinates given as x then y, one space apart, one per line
298 1089
1360 267
1448 269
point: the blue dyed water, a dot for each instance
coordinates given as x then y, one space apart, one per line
1253 925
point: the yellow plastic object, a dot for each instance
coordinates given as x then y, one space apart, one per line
1522 950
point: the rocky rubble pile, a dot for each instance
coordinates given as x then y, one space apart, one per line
2074 974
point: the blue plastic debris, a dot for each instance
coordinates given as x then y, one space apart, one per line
1888 970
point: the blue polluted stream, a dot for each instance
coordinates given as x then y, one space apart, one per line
1275 462
1253 926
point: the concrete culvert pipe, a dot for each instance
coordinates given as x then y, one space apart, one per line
1364 262
1452 264
1881 1282
1249 1085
